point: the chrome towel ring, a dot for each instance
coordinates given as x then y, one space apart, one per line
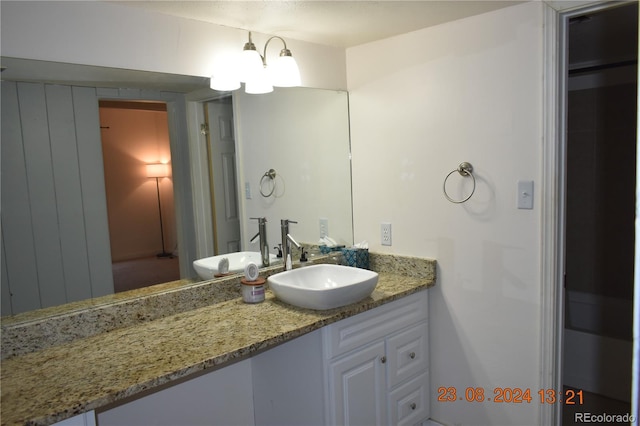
271 175
466 170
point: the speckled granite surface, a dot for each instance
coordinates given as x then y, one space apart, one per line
66 379
43 328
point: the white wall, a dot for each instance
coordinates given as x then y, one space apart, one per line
97 33
421 103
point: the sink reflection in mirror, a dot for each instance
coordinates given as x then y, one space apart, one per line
207 268
323 286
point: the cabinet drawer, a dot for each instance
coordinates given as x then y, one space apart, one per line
409 404
369 326
407 354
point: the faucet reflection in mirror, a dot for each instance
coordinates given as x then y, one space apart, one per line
287 240
264 244
157 171
250 67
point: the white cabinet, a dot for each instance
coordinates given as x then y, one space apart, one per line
222 397
357 390
288 383
370 369
84 419
377 366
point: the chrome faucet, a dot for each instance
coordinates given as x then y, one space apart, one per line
264 245
287 238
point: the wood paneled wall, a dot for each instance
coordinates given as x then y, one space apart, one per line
55 237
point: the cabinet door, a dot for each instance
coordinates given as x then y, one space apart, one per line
357 388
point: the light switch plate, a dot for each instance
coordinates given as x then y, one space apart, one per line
525 194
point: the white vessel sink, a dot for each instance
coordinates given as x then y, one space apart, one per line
208 266
323 286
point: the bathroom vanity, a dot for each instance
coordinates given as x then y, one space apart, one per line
367 369
236 363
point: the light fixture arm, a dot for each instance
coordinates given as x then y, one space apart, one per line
283 52
249 45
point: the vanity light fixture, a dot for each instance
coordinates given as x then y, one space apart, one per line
252 70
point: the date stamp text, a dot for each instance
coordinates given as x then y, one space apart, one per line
509 395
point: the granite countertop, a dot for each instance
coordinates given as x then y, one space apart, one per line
58 382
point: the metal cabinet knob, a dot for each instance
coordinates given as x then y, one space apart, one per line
413 406
412 355
383 359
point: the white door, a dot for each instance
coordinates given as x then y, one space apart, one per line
358 389
222 148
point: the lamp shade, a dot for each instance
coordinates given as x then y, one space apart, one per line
249 65
284 72
158 170
224 81
224 85
259 83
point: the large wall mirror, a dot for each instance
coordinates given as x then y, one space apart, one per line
55 227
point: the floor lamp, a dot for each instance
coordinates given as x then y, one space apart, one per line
158 171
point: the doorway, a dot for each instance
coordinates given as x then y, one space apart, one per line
600 202
139 192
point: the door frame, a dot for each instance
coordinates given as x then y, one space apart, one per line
553 209
552 216
180 165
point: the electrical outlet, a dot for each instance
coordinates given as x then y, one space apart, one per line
247 190
324 227
385 236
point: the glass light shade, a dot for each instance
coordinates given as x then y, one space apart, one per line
259 83
249 65
158 170
225 79
284 72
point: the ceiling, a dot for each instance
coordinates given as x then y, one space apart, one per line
334 23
